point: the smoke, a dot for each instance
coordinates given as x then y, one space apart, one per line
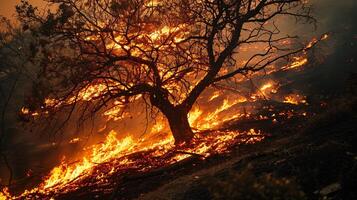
333 61
339 19
336 16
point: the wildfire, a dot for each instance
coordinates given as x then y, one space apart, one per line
67 177
112 148
118 154
299 61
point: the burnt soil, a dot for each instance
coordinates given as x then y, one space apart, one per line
312 157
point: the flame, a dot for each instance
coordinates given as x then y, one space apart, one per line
112 148
265 91
266 86
153 3
311 43
325 36
295 99
211 120
214 95
25 111
64 177
92 91
4 194
74 140
50 102
115 113
297 62
158 127
314 41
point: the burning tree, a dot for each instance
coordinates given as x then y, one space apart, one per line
110 53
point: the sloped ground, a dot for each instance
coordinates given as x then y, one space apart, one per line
310 157
317 162
305 158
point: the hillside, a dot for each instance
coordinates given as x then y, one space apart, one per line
317 162
314 161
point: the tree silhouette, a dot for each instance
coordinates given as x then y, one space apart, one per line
164 52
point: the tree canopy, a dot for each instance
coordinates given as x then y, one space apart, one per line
166 53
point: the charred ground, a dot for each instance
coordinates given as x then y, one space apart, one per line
303 158
319 157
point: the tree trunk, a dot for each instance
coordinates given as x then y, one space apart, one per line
179 125
177 116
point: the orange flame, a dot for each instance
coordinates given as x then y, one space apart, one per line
115 151
295 99
4 194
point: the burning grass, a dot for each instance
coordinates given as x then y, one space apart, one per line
103 165
115 156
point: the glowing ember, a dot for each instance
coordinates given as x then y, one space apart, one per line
295 99
74 140
25 111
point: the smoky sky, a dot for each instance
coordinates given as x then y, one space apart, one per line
27 150
7 7
335 15
339 19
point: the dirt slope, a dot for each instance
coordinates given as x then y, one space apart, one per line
317 162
